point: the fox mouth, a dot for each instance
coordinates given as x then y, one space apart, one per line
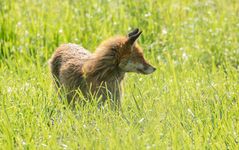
146 71
141 71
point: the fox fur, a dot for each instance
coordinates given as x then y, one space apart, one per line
99 74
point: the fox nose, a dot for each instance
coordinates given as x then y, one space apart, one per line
149 69
154 69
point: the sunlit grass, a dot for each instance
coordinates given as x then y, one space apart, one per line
190 102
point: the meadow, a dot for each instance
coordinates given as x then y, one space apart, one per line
190 102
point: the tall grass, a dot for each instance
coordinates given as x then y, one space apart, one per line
190 102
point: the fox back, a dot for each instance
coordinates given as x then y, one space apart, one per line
99 74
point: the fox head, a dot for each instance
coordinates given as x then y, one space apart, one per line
128 55
131 57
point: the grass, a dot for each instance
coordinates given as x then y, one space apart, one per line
190 102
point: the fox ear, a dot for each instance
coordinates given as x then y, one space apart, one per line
132 36
133 32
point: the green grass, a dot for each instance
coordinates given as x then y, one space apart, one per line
190 102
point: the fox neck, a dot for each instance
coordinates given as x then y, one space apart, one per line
103 68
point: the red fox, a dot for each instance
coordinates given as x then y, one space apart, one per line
99 74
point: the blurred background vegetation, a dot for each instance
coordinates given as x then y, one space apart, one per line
190 102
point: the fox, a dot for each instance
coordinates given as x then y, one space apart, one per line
99 74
